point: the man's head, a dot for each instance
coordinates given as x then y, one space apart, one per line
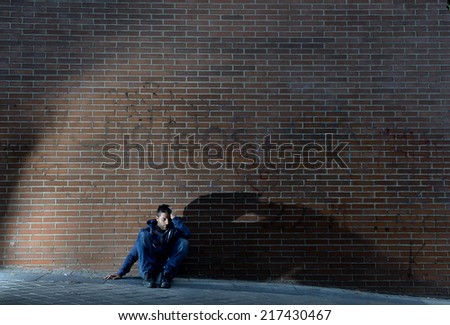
163 216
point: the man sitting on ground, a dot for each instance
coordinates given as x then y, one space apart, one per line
160 247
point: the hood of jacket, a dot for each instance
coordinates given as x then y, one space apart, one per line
162 239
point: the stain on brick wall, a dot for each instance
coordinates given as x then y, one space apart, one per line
303 141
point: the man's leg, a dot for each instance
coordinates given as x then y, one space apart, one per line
177 255
147 260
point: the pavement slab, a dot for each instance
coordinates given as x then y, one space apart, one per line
44 287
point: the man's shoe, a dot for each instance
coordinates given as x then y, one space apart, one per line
150 279
166 281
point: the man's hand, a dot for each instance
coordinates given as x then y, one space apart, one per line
113 277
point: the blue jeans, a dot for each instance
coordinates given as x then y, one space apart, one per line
149 260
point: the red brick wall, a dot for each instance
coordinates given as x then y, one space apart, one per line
301 140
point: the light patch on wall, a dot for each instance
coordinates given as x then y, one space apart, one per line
250 218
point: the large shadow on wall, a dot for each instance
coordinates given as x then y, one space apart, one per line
240 236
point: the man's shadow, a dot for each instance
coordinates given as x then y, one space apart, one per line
239 236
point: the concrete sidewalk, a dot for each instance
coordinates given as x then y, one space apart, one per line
43 287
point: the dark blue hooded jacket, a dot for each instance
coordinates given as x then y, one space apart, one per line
162 241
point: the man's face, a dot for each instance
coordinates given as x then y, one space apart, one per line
163 220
